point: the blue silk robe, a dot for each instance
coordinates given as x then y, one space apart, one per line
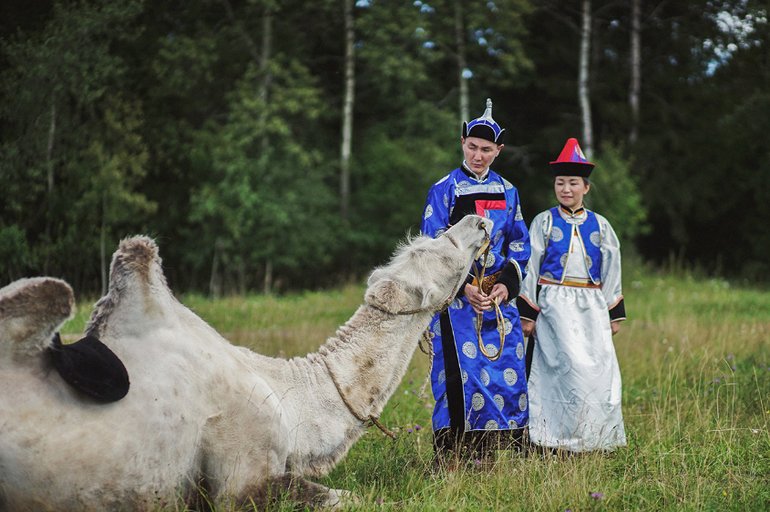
473 393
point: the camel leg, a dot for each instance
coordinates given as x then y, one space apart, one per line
294 489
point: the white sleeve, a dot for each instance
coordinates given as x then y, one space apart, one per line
611 273
538 234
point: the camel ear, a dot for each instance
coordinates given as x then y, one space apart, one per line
388 295
431 297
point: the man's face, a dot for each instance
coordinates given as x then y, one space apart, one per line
479 154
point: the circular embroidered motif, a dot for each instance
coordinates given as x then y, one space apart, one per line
428 212
564 364
507 184
516 246
507 326
520 351
490 260
491 425
441 377
499 401
556 234
510 376
563 260
596 238
469 349
484 376
518 216
446 201
491 350
477 401
512 424
498 235
464 376
523 402
589 262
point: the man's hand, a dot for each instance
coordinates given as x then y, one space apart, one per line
480 302
615 326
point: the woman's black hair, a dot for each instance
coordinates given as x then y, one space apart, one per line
586 181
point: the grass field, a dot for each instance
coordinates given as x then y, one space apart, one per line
695 361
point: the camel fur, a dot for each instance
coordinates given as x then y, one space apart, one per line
204 417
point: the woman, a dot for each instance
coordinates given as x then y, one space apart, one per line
571 304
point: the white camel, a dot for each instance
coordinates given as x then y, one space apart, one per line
204 421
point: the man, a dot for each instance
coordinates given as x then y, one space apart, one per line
478 378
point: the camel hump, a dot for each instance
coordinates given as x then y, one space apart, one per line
31 311
136 281
136 262
135 256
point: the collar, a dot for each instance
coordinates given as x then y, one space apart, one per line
571 212
472 175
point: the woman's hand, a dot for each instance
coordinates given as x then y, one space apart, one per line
527 327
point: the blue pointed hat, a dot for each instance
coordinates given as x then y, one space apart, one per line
485 127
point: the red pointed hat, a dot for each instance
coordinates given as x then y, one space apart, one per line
572 161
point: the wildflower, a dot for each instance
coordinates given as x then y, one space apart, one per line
716 380
654 390
640 407
379 500
417 427
427 406
734 368
730 356
597 495
414 391
711 389
410 380
762 364
478 462
409 430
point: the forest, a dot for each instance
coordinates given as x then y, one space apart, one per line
275 145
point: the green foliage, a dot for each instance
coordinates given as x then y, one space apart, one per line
615 194
217 124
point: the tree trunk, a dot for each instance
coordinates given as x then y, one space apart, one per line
461 64
214 287
636 63
267 41
103 244
347 116
49 166
268 276
583 90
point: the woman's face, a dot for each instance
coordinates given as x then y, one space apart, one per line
570 191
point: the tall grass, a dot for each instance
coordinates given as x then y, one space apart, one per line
695 362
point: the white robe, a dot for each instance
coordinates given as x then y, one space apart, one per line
574 382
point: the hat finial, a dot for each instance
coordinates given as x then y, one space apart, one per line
485 127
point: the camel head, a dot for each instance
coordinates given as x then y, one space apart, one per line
31 310
425 273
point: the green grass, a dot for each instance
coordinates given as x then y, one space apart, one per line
695 361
